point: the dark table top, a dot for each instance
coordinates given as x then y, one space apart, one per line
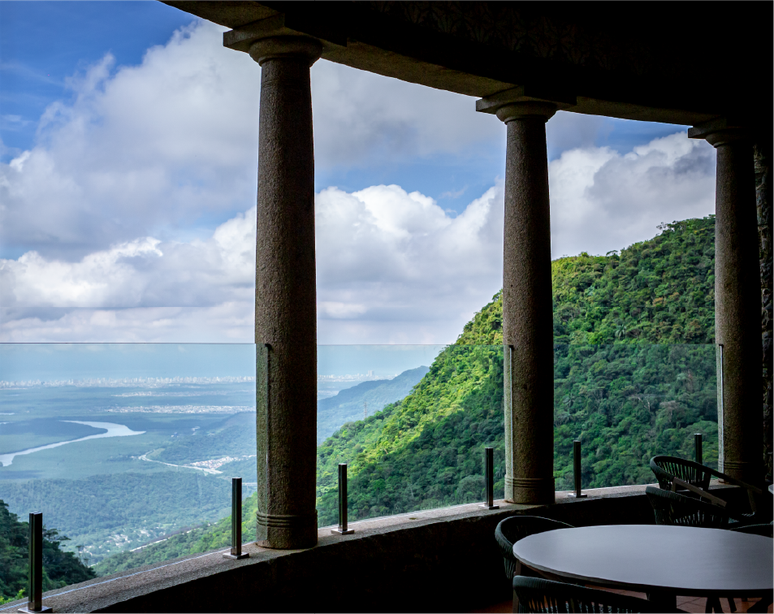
647 558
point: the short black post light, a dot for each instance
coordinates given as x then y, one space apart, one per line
489 479
342 529
697 447
35 603
236 521
576 468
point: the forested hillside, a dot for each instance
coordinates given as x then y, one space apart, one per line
351 403
60 568
199 539
624 385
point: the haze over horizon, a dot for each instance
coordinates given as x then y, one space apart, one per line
128 154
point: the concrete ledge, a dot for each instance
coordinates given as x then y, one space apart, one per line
431 560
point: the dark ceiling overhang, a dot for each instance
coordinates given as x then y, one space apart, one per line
603 56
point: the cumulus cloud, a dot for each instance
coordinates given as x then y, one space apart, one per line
602 200
363 118
393 267
139 150
172 143
141 290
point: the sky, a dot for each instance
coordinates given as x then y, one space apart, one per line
128 157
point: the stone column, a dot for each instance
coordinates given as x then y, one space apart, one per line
762 156
737 300
527 305
285 296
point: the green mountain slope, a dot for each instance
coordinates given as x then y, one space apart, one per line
350 403
59 568
626 397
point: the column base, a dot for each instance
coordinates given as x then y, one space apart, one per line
286 531
531 491
742 470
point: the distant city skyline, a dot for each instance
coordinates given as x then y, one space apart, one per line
128 154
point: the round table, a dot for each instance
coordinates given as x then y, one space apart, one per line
660 560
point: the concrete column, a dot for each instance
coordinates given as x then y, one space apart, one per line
737 301
527 306
285 296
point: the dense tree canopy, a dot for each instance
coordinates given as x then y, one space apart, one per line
59 568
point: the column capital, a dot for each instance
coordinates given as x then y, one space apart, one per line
719 131
285 46
521 102
272 38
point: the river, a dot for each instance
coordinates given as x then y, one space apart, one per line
111 430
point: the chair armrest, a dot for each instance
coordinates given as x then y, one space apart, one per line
699 491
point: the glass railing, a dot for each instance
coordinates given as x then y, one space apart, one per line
128 450
125 448
627 403
424 448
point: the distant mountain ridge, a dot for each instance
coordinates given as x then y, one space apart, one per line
350 404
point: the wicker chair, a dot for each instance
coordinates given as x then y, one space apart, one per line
667 468
538 595
512 529
677 509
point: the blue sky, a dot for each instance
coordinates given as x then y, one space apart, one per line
128 140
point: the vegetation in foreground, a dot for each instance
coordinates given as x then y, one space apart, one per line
59 568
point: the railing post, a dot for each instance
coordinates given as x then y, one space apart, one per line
236 521
35 600
697 447
489 479
576 468
343 530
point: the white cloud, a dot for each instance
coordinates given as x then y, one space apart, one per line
140 150
142 290
394 267
601 200
363 118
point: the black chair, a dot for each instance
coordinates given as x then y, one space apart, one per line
538 595
514 528
666 468
678 509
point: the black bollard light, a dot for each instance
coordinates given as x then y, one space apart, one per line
236 521
35 600
343 530
576 468
697 446
489 479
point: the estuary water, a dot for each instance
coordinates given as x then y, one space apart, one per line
111 430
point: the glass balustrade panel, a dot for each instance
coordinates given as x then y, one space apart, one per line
627 403
128 449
